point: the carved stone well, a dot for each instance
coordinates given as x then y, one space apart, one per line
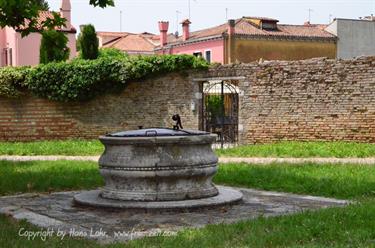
158 168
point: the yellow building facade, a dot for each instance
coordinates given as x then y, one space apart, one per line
240 49
252 38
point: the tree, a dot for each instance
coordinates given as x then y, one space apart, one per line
89 43
53 47
23 14
43 4
78 44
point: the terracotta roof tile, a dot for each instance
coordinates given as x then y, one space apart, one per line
208 32
141 43
133 43
244 27
112 34
43 15
261 18
311 31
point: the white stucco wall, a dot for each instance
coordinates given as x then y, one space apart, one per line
355 37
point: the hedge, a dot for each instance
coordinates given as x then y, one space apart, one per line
12 80
80 80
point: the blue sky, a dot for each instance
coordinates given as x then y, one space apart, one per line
143 15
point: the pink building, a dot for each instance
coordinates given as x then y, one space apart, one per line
18 51
249 39
211 48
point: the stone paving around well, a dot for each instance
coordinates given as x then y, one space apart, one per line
252 160
58 213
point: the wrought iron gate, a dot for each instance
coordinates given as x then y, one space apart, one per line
220 111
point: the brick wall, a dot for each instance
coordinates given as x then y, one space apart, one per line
150 103
316 99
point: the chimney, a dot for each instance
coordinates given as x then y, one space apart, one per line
65 11
163 28
231 27
230 44
186 29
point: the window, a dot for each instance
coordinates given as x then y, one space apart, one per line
8 56
10 53
198 54
208 56
5 56
269 25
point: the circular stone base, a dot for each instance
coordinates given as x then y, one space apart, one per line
226 196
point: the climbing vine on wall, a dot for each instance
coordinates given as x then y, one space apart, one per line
80 80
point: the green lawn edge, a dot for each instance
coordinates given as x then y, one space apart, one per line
280 149
351 226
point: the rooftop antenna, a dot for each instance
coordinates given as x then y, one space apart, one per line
310 10
120 20
226 14
177 18
330 18
189 1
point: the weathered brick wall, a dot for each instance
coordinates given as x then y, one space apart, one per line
150 103
317 99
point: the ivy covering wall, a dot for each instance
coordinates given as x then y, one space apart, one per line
81 80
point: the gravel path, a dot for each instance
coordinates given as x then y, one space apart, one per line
221 159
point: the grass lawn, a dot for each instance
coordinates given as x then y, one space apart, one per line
340 181
46 176
58 147
353 226
347 227
302 149
281 149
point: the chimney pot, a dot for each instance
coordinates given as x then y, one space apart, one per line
163 28
231 26
186 29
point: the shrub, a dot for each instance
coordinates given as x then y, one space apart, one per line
53 47
89 43
80 79
12 80
112 53
215 106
